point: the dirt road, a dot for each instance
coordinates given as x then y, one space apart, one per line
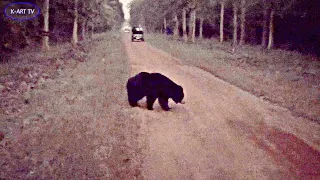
221 132
79 125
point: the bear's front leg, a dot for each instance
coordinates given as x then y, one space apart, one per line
134 95
133 103
150 101
164 103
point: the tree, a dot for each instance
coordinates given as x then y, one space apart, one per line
144 12
74 39
61 18
271 30
264 24
222 3
205 12
201 19
202 14
277 7
243 5
243 22
193 17
193 6
176 27
184 24
83 19
235 23
196 6
45 38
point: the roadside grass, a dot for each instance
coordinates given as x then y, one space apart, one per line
78 124
289 79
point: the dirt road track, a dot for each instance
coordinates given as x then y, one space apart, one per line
221 132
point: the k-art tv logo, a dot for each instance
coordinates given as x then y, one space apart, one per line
22 11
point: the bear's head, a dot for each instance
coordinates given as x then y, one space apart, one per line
178 95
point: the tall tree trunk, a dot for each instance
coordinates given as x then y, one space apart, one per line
201 28
264 27
190 25
221 20
45 38
176 27
271 30
235 24
83 30
243 22
193 36
165 25
75 24
184 24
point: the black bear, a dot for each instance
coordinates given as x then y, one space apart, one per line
153 85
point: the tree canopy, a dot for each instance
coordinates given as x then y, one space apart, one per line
276 23
100 15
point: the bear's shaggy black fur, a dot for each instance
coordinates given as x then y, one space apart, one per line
153 85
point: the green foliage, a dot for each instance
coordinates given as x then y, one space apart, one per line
151 13
100 13
103 14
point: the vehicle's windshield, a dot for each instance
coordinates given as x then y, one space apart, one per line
137 32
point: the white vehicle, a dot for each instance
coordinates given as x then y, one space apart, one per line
137 34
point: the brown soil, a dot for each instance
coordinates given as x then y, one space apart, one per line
222 132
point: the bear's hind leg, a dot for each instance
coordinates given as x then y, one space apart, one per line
150 101
164 103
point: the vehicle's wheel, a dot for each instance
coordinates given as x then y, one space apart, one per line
142 39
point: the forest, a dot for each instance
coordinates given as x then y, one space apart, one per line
248 71
59 21
285 24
